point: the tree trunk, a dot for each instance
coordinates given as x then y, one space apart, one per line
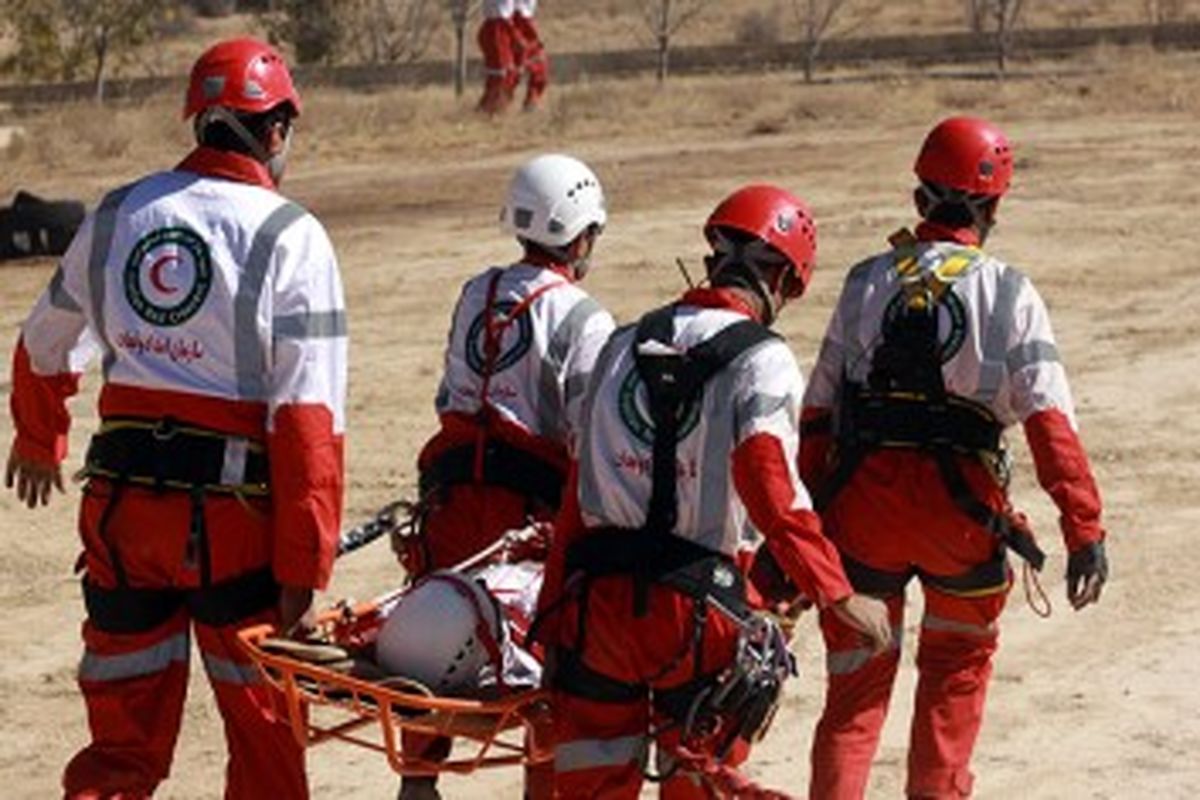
664 46
460 56
101 46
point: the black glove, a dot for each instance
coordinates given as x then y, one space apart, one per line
1087 572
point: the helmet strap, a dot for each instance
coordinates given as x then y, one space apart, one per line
226 117
978 206
741 263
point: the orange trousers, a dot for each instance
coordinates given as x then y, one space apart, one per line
895 519
137 644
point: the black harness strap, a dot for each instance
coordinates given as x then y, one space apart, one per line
136 610
905 404
503 465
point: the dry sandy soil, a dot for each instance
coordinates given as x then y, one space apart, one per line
1100 704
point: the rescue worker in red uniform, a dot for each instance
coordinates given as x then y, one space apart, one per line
689 438
498 41
529 54
935 348
214 490
523 341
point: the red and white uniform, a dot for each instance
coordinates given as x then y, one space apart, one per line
213 301
895 515
529 54
736 472
547 349
498 41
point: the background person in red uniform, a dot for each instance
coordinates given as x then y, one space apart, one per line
215 481
936 348
664 494
523 341
529 54
498 40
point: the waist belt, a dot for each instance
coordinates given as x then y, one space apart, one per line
669 560
504 465
892 419
164 454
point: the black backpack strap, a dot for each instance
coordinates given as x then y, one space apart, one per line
674 382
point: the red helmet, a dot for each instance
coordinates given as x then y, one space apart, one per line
774 216
968 154
242 75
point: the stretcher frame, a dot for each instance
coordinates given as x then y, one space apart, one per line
509 730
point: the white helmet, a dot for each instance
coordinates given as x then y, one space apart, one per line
552 199
441 633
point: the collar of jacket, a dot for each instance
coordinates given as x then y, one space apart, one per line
708 297
546 261
935 232
213 163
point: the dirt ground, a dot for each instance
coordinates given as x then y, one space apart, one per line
1100 704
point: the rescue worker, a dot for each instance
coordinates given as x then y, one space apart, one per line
522 344
689 435
934 349
214 484
498 41
529 54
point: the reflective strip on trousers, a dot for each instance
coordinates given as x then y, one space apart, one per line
934 623
135 664
104 227
844 662
249 350
226 671
994 345
584 754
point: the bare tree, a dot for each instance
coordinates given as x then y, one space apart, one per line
461 12
68 39
358 31
816 21
664 18
996 19
1161 12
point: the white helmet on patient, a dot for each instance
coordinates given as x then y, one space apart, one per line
442 633
552 199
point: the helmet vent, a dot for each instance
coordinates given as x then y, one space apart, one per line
522 218
213 86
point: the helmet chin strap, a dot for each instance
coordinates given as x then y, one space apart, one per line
975 205
728 252
275 164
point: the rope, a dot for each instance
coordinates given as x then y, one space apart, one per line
1035 595
721 780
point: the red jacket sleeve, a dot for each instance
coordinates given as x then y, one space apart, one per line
307 484
765 485
1065 474
39 410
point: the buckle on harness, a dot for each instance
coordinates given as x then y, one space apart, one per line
165 429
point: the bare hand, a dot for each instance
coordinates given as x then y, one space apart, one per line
296 616
33 479
868 616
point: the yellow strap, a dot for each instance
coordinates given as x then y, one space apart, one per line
110 425
243 489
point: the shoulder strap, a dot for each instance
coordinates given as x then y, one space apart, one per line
674 381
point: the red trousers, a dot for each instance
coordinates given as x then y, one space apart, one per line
601 747
896 518
529 55
134 676
497 40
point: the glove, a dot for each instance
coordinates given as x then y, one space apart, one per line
779 594
1087 572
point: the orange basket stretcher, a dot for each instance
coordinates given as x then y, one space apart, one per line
324 704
